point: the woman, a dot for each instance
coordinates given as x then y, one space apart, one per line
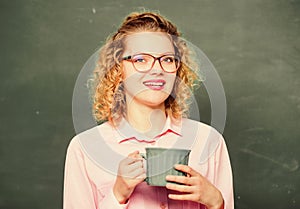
141 86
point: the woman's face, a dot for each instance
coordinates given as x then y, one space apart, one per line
153 87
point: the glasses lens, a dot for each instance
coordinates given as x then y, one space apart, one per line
142 62
169 63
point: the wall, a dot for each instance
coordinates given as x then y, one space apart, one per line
254 46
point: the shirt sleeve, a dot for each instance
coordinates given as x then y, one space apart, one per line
223 175
79 190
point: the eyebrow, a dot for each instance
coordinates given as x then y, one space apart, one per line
156 54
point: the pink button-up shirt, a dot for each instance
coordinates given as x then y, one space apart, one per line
94 155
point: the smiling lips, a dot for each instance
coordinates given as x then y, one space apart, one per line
155 84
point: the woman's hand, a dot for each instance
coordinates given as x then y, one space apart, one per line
130 174
195 187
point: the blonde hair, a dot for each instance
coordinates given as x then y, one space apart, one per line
107 88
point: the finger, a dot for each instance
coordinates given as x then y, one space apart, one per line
132 170
125 173
180 188
182 197
134 154
130 160
181 179
136 173
135 165
142 176
186 169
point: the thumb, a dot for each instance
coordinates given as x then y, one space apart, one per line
134 154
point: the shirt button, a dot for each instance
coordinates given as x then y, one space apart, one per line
163 206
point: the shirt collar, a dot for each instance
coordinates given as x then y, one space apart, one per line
125 132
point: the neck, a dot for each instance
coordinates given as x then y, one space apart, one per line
146 119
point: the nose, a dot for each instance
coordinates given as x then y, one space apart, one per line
156 69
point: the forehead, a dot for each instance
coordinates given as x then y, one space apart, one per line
148 42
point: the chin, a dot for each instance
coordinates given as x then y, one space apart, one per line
155 98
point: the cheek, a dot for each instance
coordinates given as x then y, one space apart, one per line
128 70
171 81
132 83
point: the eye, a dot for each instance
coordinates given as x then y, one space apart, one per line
139 59
168 59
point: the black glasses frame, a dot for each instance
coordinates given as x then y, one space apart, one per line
129 58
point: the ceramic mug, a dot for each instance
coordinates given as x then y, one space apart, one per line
160 163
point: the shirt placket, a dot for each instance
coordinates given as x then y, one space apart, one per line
162 197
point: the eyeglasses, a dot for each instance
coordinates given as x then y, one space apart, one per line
145 62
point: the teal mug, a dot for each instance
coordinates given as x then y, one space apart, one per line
160 163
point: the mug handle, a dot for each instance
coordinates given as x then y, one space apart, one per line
145 157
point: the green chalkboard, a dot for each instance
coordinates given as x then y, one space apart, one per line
254 46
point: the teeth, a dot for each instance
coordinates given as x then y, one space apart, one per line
154 83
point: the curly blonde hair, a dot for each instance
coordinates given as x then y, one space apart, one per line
107 87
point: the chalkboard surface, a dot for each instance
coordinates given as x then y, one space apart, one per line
254 45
